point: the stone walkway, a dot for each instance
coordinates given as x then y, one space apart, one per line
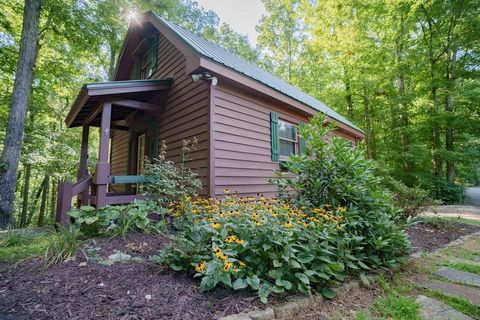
450 289
459 276
434 309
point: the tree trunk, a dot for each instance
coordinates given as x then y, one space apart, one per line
449 108
18 108
33 206
369 140
348 98
53 203
43 206
26 190
402 96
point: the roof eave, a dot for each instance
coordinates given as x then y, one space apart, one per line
261 87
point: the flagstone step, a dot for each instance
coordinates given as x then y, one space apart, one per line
469 294
459 276
434 309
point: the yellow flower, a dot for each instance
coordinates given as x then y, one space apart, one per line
342 209
288 224
215 225
226 191
236 270
227 265
239 241
241 263
257 223
201 266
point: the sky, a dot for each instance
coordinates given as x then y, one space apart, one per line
241 15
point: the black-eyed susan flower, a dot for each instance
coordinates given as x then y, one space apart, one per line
201 266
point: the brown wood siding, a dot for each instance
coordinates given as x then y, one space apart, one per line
184 114
119 153
242 141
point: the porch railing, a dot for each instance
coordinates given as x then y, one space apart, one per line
85 189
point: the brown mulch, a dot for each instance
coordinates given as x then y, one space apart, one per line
127 291
430 237
141 290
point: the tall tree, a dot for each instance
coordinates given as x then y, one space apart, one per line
18 109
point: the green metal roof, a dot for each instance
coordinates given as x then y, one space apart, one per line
221 56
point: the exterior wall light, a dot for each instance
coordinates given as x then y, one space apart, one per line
205 76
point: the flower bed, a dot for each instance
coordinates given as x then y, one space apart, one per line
271 246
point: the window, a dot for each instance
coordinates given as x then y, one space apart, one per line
146 57
147 64
288 139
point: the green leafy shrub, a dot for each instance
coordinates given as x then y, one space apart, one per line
167 180
270 246
447 192
116 220
63 245
412 200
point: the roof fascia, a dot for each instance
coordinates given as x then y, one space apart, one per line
262 88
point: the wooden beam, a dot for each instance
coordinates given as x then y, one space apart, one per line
64 203
136 105
103 167
119 127
83 169
124 199
93 114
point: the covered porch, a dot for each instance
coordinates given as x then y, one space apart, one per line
115 105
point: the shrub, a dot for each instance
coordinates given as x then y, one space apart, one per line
63 245
412 200
167 180
117 220
270 246
330 171
447 192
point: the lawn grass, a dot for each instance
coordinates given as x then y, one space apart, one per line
458 304
18 246
397 301
463 266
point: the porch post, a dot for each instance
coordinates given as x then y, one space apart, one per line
103 167
83 170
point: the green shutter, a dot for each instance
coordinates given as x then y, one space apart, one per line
154 140
154 52
138 68
274 134
301 139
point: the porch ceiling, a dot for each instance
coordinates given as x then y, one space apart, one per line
91 97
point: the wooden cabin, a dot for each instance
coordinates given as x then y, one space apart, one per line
171 85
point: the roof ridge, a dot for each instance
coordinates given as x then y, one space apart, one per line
209 50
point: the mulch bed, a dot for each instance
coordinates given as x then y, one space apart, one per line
126 291
142 290
430 237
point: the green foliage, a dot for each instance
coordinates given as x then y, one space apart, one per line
115 220
447 192
167 180
62 246
334 173
387 66
397 307
19 245
331 172
270 246
412 200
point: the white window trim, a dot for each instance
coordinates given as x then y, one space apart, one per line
296 143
